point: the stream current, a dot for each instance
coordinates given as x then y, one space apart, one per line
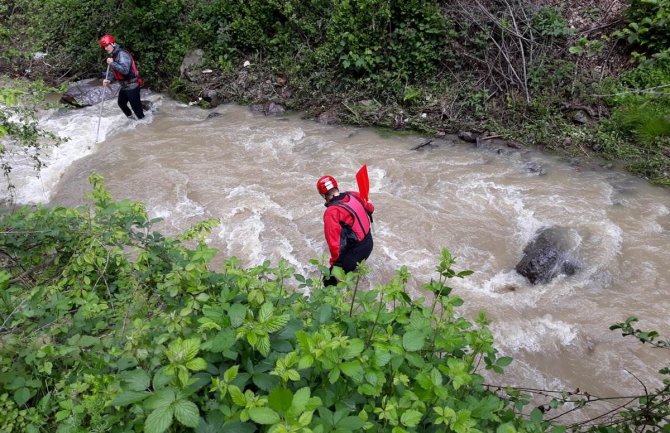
257 175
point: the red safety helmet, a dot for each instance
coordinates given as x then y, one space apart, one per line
106 40
325 184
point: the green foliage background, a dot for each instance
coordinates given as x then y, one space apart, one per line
371 37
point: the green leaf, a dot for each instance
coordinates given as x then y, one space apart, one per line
265 381
411 418
325 313
21 396
305 418
238 396
334 375
413 341
373 377
87 341
237 313
263 345
224 340
184 377
5 276
129 397
238 427
355 347
351 423
280 399
487 408
367 389
189 348
161 398
136 380
186 413
159 420
17 382
180 351
305 362
436 377
536 415
265 312
382 357
196 364
263 415
504 361
300 399
353 369
126 362
276 323
463 421
231 373
424 380
161 378
282 346
506 428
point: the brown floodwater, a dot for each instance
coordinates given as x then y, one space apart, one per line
257 175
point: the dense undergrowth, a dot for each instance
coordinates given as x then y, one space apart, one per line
591 81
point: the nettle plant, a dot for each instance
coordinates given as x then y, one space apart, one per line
110 327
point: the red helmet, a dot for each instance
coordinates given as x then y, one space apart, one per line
325 184
106 40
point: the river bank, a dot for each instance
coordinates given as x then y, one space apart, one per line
583 81
570 131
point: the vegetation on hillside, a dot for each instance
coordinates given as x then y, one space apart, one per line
590 81
107 326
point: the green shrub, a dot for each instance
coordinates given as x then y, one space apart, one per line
68 30
646 119
550 22
640 102
648 26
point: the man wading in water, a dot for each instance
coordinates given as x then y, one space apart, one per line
346 225
123 70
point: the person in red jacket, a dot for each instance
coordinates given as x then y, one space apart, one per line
346 226
123 70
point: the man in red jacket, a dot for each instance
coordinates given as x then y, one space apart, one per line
123 69
346 226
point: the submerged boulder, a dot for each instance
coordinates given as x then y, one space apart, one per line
89 92
268 108
549 254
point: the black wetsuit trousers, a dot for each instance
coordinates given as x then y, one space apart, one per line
351 257
132 96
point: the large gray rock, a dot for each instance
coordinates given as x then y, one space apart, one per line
549 254
191 60
89 92
268 108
